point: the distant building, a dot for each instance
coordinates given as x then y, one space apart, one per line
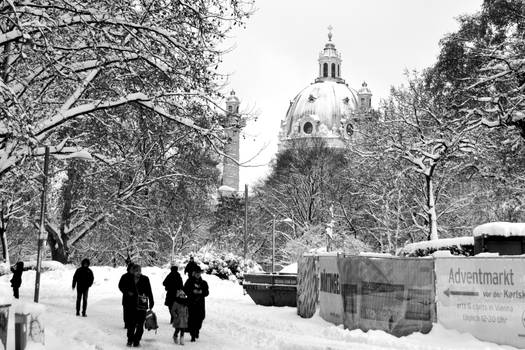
328 108
233 124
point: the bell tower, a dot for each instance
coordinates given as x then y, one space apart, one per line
329 62
230 172
365 97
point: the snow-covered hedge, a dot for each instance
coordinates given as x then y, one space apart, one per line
31 265
456 246
223 265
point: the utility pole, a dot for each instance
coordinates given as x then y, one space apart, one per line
42 233
273 244
245 242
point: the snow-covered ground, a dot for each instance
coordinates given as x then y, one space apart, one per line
233 320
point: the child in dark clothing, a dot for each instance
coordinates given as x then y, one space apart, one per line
16 281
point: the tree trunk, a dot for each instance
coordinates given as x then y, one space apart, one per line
431 209
59 250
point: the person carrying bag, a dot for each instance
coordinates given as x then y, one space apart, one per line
137 299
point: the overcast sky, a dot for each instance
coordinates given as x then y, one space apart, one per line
276 55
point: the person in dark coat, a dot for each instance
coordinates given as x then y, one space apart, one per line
16 280
128 272
136 299
172 283
196 289
83 280
191 267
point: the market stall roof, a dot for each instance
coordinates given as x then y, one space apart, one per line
502 229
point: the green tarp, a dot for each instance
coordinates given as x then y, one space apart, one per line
391 294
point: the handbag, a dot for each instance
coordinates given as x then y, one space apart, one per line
142 302
151 321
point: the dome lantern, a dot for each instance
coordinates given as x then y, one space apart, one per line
329 62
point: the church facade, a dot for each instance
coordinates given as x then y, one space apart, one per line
327 109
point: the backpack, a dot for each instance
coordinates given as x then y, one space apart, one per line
151 321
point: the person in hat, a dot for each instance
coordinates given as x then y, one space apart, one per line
191 266
196 289
172 283
83 280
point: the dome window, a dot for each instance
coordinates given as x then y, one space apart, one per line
346 100
311 98
333 70
349 129
308 128
325 70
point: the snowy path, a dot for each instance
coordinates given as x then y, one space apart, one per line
233 321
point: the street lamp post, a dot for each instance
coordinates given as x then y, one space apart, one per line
42 232
43 205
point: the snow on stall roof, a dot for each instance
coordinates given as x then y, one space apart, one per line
375 255
292 268
436 244
504 229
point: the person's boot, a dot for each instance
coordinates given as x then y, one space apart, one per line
175 338
78 313
181 342
136 344
84 314
129 343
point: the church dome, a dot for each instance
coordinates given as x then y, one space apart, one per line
327 108
325 105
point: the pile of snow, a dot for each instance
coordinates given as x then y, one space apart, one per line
47 265
504 229
292 268
375 255
456 246
226 266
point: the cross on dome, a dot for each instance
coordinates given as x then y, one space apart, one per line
330 32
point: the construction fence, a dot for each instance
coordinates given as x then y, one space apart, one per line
479 295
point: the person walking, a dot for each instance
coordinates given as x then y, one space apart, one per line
191 267
16 280
179 316
196 289
172 283
136 299
123 277
83 280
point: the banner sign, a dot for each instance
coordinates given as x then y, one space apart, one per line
330 300
391 294
483 296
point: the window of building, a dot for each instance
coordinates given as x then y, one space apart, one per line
308 128
230 109
333 70
338 71
325 70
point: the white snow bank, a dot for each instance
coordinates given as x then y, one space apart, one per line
375 255
292 268
47 265
504 229
436 244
